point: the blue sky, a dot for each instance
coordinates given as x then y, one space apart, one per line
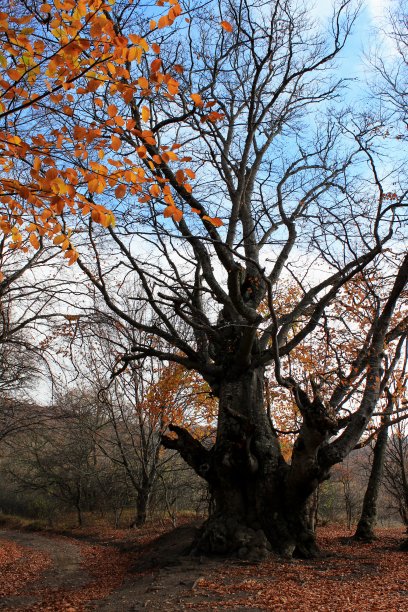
364 41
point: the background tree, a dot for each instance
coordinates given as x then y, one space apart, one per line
137 404
59 459
368 518
392 76
395 470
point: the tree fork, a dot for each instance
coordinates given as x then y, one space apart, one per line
190 449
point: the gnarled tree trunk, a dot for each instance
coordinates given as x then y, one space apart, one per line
260 502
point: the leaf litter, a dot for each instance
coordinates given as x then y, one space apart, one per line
135 571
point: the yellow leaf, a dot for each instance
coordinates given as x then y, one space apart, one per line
145 113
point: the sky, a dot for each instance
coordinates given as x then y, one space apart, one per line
376 9
372 14
353 61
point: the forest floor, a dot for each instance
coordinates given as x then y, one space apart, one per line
148 569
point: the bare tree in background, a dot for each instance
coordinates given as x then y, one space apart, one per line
135 406
30 297
396 472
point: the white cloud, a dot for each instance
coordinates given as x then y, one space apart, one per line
378 9
322 8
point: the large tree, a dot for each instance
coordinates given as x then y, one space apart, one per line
281 188
282 194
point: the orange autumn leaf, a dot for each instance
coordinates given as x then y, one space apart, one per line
155 191
120 191
34 241
119 120
172 86
59 239
177 215
174 212
196 98
141 151
226 26
215 221
116 143
163 22
143 82
97 184
155 65
81 53
180 176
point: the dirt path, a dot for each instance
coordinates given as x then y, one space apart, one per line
163 577
155 576
64 572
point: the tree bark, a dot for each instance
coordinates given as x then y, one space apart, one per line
260 503
142 505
